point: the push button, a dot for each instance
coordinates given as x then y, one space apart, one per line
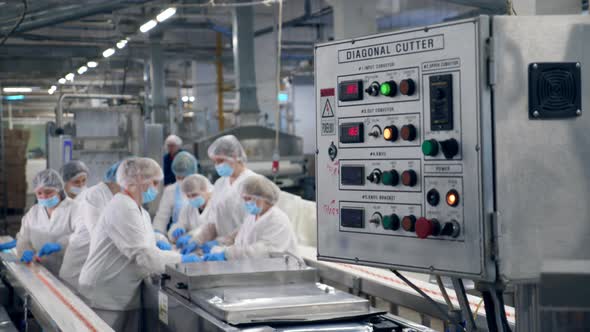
408 132
426 228
390 178
409 223
409 178
430 147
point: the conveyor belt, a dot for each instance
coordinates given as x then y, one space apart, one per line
56 302
373 280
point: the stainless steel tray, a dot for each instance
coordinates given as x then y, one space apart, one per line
304 302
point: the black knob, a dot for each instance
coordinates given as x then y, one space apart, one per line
332 151
451 228
408 132
409 178
407 87
409 223
373 89
433 197
375 176
449 148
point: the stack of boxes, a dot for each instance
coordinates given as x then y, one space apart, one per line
14 176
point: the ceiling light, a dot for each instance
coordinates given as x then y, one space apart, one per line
62 81
92 64
191 99
14 97
82 70
184 99
50 91
163 16
121 44
147 26
189 114
70 76
17 89
108 52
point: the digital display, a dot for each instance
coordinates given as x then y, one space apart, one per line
352 217
352 132
350 90
441 102
352 175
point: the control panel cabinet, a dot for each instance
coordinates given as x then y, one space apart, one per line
400 150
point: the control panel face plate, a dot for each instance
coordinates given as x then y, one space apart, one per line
399 164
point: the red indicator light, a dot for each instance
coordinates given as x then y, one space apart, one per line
352 89
353 131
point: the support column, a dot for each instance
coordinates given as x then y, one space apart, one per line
354 18
158 83
547 7
243 48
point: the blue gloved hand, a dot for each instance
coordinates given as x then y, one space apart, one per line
178 232
190 247
8 245
220 256
49 248
192 258
209 245
163 245
183 241
27 256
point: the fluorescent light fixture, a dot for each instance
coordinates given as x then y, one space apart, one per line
184 99
82 70
108 52
147 26
168 13
189 114
191 99
17 90
15 97
121 44
70 76
92 64
62 81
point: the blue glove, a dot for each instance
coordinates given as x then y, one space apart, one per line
190 247
49 248
192 258
27 256
163 245
208 246
183 241
220 256
8 245
178 232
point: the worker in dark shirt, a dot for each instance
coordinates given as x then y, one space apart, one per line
173 145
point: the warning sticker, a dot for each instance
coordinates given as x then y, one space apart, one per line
327 102
163 307
328 127
327 112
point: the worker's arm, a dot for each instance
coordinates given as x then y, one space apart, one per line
273 238
183 221
165 210
130 238
23 237
207 232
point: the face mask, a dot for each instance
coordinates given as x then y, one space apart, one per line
197 202
77 190
224 169
49 202
252 208
150 194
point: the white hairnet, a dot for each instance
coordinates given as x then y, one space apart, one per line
173 140
48 178
137 171
72 169
195 183
184 164
260 187
227 146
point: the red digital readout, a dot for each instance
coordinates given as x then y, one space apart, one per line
352 89
353 131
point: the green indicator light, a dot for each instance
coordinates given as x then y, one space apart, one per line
385 89
430 147
387 222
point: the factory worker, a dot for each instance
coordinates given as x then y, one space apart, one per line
122 248
173 145
266 230
75 175
88 211
45 229
226 212
173 200
197 190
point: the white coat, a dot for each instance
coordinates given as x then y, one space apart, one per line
190 219
226 210
122 253
167 207
90 206
271 233
37 229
